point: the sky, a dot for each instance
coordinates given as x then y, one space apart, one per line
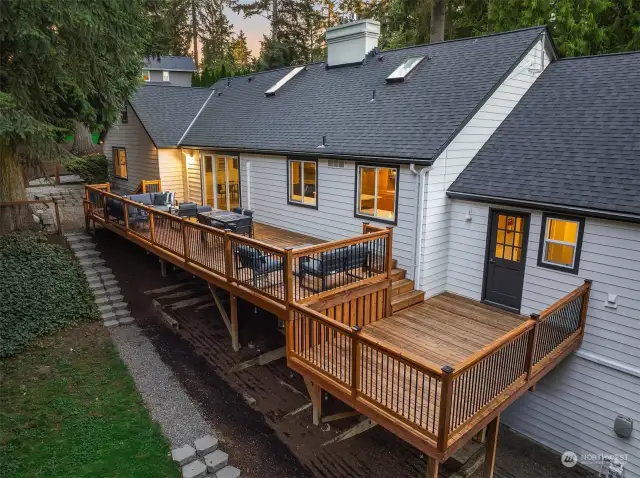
254 28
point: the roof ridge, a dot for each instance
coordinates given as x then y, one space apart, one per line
601 55
453 40
175 86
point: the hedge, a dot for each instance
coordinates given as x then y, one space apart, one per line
41 290
92 168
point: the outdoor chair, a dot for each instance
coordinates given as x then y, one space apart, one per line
337 261
258 262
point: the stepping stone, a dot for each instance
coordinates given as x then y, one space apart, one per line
87 253
102 300
116 298
108 316
126 320
216 461
183 455
110 282
119 305
104 308
113 290
91 261
102 270
107 276
111 323
95 284
122 313
195 469
206 445
98 293
228 472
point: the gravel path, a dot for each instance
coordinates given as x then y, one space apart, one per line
163 395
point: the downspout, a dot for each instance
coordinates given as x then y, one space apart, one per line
421 179
248 185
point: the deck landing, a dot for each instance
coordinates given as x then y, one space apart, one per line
445 329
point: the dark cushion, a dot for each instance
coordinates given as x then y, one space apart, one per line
161 207
160 199
356 255
205 208
250 256
141 198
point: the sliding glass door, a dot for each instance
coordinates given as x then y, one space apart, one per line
221 177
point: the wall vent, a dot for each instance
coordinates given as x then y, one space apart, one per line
336 163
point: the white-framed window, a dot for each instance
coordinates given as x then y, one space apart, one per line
165 76
303 182
561 242
146 75
377 192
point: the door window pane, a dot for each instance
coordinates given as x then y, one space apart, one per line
367 191
233 174
386 193
509 242
221 182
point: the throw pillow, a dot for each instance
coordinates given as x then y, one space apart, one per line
161 199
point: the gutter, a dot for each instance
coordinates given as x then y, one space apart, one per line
417 261
615 216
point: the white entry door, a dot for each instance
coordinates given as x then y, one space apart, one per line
221 178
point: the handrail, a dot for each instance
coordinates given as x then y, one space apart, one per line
568 298
38 201
142 187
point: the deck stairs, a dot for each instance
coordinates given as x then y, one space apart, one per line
403 293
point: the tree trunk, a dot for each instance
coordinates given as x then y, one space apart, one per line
437 20
274 20
194 26
82 143
12 189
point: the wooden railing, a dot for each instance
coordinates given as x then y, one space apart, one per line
281 275
440 405
149 186
20 215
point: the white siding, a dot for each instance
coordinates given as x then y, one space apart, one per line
450 163
334 217
142 155
574 407
171 164
193 177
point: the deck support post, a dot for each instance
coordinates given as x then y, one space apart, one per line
315 392
163 267
235 342
433 466
492 445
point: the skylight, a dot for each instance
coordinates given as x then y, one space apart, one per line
272 91
400 73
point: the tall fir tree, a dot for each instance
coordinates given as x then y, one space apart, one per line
242 59
215 33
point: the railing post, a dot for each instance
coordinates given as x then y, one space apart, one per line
125 209
585 304
185 239
58 222
355 361
365 227
289 278
104 205
446 396
389 260
228 256
531 346
152 227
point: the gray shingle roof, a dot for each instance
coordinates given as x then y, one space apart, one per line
167 111
572 140
169 63
407 121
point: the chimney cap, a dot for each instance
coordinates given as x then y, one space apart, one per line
350 43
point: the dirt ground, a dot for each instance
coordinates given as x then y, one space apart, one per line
253 409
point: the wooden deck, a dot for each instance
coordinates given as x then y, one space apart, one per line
445 329
282 238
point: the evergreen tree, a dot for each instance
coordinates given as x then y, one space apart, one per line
60 63
241 55
216 34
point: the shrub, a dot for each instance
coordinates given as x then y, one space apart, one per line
41 290
92 168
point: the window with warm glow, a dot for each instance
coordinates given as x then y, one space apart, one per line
377 190
124 115
560 243
303 182
119 156
165 76
145 75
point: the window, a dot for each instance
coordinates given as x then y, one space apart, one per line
119 163
145 75
165 76
303 183
509 237
124 118
561 243
376 195
272 91
401 73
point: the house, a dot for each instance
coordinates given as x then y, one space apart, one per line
509 176
173 70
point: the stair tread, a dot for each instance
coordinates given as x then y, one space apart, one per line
406 295
401 282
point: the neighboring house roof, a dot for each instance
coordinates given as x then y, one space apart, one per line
410 121
169 63
573 140
167 111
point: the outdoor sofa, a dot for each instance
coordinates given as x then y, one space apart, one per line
337 261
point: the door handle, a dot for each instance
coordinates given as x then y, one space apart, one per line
491 261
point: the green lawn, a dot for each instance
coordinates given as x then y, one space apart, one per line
69 408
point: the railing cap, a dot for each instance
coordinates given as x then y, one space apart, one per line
448 369
588 281
535 316
356 328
